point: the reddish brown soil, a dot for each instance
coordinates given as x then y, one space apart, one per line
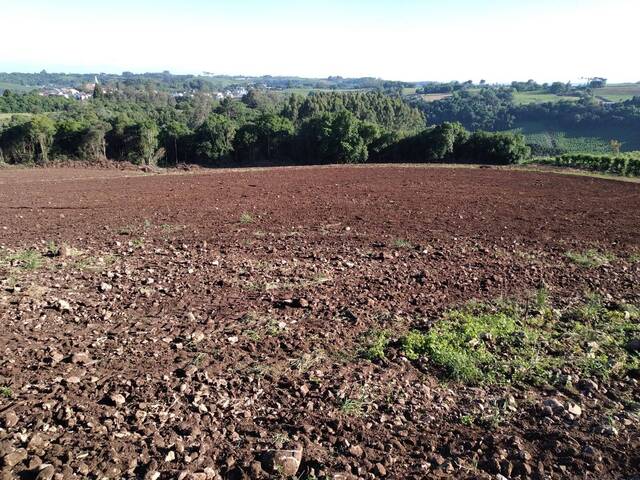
214 340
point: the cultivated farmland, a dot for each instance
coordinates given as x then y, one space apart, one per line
375 322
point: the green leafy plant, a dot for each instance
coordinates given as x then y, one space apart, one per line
6 392
376 342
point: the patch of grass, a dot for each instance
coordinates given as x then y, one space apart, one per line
246 218
414 344
590 258
375 344
634 257
6 392
26 259
467 420
400 243
253 335
501 343
353 407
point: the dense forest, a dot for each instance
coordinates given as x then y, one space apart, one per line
142 126
166 119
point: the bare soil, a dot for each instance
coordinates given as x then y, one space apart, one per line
191 325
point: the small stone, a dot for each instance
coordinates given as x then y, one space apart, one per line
15 457
554 404
356 451
211 473
105 287
10 419
117 399
46 472
380 470
63 306
256 470
170 457
574 409
72 380
81 358
197 337
233 340
287 462
56 357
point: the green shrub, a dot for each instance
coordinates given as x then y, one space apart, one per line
626 164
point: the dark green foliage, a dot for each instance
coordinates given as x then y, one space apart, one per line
175 137
625 164
450 142
335 138
213 140
132 122
488 109
268 138
495 148
389 111
28 142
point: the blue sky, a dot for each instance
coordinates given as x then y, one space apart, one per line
495 40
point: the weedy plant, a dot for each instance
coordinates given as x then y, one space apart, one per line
26 259
502 343
401 243
591 258
246 218
6 392
375 343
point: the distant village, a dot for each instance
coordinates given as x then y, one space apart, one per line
86 92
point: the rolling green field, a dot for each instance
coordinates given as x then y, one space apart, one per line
5 117
14 87
539 96
619 92
579 140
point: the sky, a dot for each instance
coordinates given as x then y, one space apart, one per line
411 40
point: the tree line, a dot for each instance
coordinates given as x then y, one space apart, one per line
323 127
494 109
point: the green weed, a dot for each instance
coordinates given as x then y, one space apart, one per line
400 243
375 342
500 343
26 259
246 218
591 258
